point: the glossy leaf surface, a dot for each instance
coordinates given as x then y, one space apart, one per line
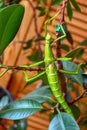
41 94
10 20
20 109
72 67
63 121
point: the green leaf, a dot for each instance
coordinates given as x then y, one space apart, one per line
69 11
10 20
70 66
75 5
69 37
35 57
83 121
20 109
63 121
84 79
80 54
27 43
42 13
41 94
75 111
83 43
40 8
4 101
65 47
44 1
40 39
74 53
56 2
19 125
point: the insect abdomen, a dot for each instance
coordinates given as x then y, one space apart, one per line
54 83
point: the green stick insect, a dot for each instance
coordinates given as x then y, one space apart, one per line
51 69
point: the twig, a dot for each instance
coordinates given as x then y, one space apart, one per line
63 11
21 68
78 98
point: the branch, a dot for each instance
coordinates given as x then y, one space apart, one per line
36 28
21 68
60 66
63 11
78 98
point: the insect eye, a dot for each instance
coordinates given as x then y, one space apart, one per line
58 28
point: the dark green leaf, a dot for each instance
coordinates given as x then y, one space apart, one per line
75 111
69 11
75 5
40 39
41 94
27 44
10 20
44 1
40 8
74 53
69 37
70 66
65 47
20 109
84 79
56 2
42 13
35 57
80 54
83 43
83 121
19 125
63 121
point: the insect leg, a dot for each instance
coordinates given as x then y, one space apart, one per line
71 72
32 65
64 34
49 20
34 78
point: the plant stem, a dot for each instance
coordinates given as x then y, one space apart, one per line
21 68
36 29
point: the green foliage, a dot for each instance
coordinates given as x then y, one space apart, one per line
10 19
83 121
3 101
56 2
74 53
42 10
69 10
75 111
42 94
83 43
63 121
70 66
65 47
20 109
19 125
75 5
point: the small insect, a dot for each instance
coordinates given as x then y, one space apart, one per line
51 69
